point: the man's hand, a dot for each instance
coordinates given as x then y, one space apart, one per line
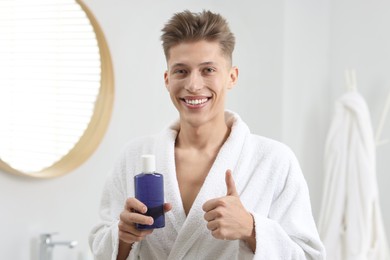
226 217
128 233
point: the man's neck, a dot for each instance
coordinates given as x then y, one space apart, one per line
203 138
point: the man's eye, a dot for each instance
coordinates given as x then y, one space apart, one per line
209 70
179 72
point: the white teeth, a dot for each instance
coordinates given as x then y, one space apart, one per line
196 101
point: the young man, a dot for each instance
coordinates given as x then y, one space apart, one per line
230 194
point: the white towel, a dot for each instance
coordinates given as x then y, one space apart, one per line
350 223
268 180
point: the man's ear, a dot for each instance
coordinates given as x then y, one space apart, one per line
233 77
166 80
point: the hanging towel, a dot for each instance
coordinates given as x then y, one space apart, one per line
350 223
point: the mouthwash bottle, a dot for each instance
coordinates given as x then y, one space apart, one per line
149 189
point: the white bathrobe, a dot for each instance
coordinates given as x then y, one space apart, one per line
270 185
350 221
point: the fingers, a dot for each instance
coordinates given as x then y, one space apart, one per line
230 184
213 214
217 230
127 231
130 234
132 215
133 230
215 220
225 215
212 225
167 207
134 204
220 202
214 203
219 227
131 218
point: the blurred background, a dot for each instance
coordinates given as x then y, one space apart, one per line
292 56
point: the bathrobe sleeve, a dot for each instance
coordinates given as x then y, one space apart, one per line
289 230
103 238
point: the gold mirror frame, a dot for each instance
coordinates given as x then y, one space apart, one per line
98 124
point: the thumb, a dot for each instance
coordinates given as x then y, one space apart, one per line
167 207
230 185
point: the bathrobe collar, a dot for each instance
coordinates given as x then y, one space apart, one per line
188 229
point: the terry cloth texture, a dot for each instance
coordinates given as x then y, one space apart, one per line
270 185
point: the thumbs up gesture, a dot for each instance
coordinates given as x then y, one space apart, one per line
226 217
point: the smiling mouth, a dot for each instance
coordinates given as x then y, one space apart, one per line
195 102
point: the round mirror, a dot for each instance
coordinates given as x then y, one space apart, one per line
56 86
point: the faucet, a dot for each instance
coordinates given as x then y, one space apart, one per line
47 245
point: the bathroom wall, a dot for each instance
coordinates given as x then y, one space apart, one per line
291 56
306 88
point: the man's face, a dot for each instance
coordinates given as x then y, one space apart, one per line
197 79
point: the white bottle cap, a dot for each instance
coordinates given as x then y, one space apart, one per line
148 163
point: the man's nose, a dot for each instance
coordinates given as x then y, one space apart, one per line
195 82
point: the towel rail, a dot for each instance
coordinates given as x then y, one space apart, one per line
382 121
350 80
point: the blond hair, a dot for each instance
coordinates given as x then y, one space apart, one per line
190 27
